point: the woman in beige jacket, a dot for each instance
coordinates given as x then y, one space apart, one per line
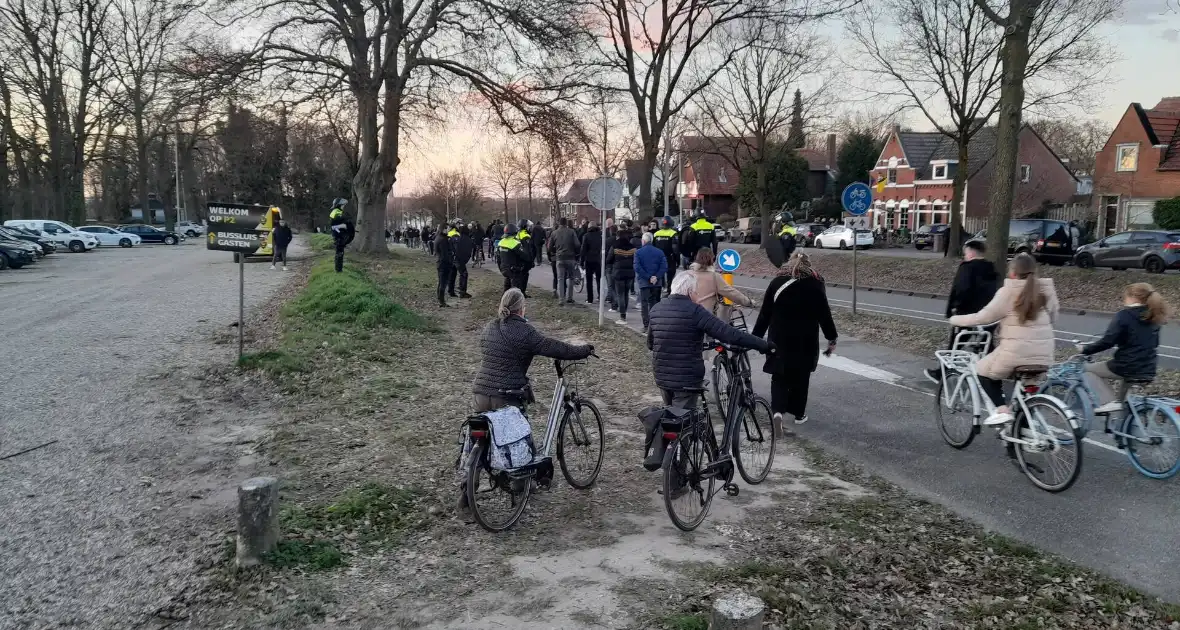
1026 307
708 285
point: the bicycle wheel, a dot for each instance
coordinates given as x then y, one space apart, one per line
721 380
1055 461
581 437
1154 448
954 409
579 281
496 501
688 488
754 442
1076 400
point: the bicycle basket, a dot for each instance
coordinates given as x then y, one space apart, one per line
956 360
1067 371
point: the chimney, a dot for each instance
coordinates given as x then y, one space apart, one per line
831 151
896 128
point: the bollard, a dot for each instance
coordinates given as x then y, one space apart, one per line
258 519
737 611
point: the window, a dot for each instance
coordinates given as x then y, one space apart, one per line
1148 237
1127 157
892 176
1118 239
1025 173
721 176
940 171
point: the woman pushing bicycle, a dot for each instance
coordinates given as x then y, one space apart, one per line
1026 307
1135 331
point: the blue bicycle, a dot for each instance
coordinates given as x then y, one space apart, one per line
1149 432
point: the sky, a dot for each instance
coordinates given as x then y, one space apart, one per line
1146 39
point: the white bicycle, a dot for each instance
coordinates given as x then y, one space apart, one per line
1044 437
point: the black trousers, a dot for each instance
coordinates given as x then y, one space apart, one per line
648 297
671 275
788 392
340 255
445 274
592 277
553 268
462 269
516 279
994 388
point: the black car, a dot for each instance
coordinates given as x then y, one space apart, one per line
14 255
151 234
805 233
1155 251
1048 240
16 234
924 235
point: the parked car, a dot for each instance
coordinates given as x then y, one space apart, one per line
805 233
190 229
151 234
14 254
1155 251
58 232
748 230
110 237
44 245
841 236
720 234
1048 240
924 235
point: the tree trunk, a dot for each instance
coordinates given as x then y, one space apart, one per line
760 194
505 205
650 155
367 183
1015 62
141 164
955 246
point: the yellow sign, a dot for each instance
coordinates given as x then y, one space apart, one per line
728 277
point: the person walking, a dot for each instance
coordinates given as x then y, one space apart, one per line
974 286
445 253
281 239
453 238
666 239
464 249
794 311
567 248
343 230
512 257
650 268
530 253
551 251
620 259
591 257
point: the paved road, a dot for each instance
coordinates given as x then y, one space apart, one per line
84 538
893 252
1113 519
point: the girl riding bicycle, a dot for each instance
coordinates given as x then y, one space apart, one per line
1026 307
1135 330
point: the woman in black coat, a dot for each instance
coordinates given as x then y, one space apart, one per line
794 311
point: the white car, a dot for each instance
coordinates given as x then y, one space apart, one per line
58 232
841 236
110 237
190 229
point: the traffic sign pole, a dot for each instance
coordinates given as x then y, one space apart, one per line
856 199
604 193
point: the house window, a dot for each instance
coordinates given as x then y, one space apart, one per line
1127 158
892 176
1025 173
940 171
721 176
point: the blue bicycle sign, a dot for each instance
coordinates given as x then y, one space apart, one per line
857 198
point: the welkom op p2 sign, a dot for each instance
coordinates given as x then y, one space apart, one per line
233 227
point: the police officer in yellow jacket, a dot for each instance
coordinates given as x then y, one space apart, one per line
513 258
530 253
343 230
665 238
701 234
786 236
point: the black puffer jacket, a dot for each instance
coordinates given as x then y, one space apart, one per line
675 335
1137 340
620 257
507 348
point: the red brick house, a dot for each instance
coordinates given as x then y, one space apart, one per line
920 167
710 181
1138 165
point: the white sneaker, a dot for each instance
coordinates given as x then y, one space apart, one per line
802 419
997 419
272 267
285 268
1113 406
621 322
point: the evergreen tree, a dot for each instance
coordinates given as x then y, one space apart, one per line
856 159
796 139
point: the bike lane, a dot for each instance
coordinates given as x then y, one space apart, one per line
869 405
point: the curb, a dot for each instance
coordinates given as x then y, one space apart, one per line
937 296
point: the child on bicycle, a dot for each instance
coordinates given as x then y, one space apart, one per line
1026 307
1135 331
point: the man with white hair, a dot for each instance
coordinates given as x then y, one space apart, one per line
651 265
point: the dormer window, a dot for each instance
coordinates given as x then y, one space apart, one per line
940 171
721 176
892 177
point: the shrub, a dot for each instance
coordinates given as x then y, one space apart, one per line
1167 213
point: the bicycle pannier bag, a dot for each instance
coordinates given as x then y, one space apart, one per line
512 439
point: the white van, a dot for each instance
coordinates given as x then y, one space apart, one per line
61 233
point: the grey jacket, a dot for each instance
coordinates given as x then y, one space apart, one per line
507 348
566 244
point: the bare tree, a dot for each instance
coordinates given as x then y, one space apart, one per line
607 142
561 162
1075 141
500 170
528 157
754 101
448 194
1028 24
387 51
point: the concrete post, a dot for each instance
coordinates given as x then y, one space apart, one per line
258 519
737 611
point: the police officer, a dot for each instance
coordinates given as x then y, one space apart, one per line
444 250
453 239
343 230
513 257
701 234
786 236
530 252
665 238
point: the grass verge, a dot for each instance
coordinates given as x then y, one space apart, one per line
322 242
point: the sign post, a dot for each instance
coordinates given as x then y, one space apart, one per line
856 199
233 227
729 260
605 193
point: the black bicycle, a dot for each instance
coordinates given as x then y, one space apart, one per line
498 497
694 460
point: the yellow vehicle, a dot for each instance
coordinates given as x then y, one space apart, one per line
265 230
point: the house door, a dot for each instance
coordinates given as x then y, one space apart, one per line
1111 224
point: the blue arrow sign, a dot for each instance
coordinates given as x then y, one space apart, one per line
729 260
857 198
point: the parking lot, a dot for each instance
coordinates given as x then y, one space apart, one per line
104 353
